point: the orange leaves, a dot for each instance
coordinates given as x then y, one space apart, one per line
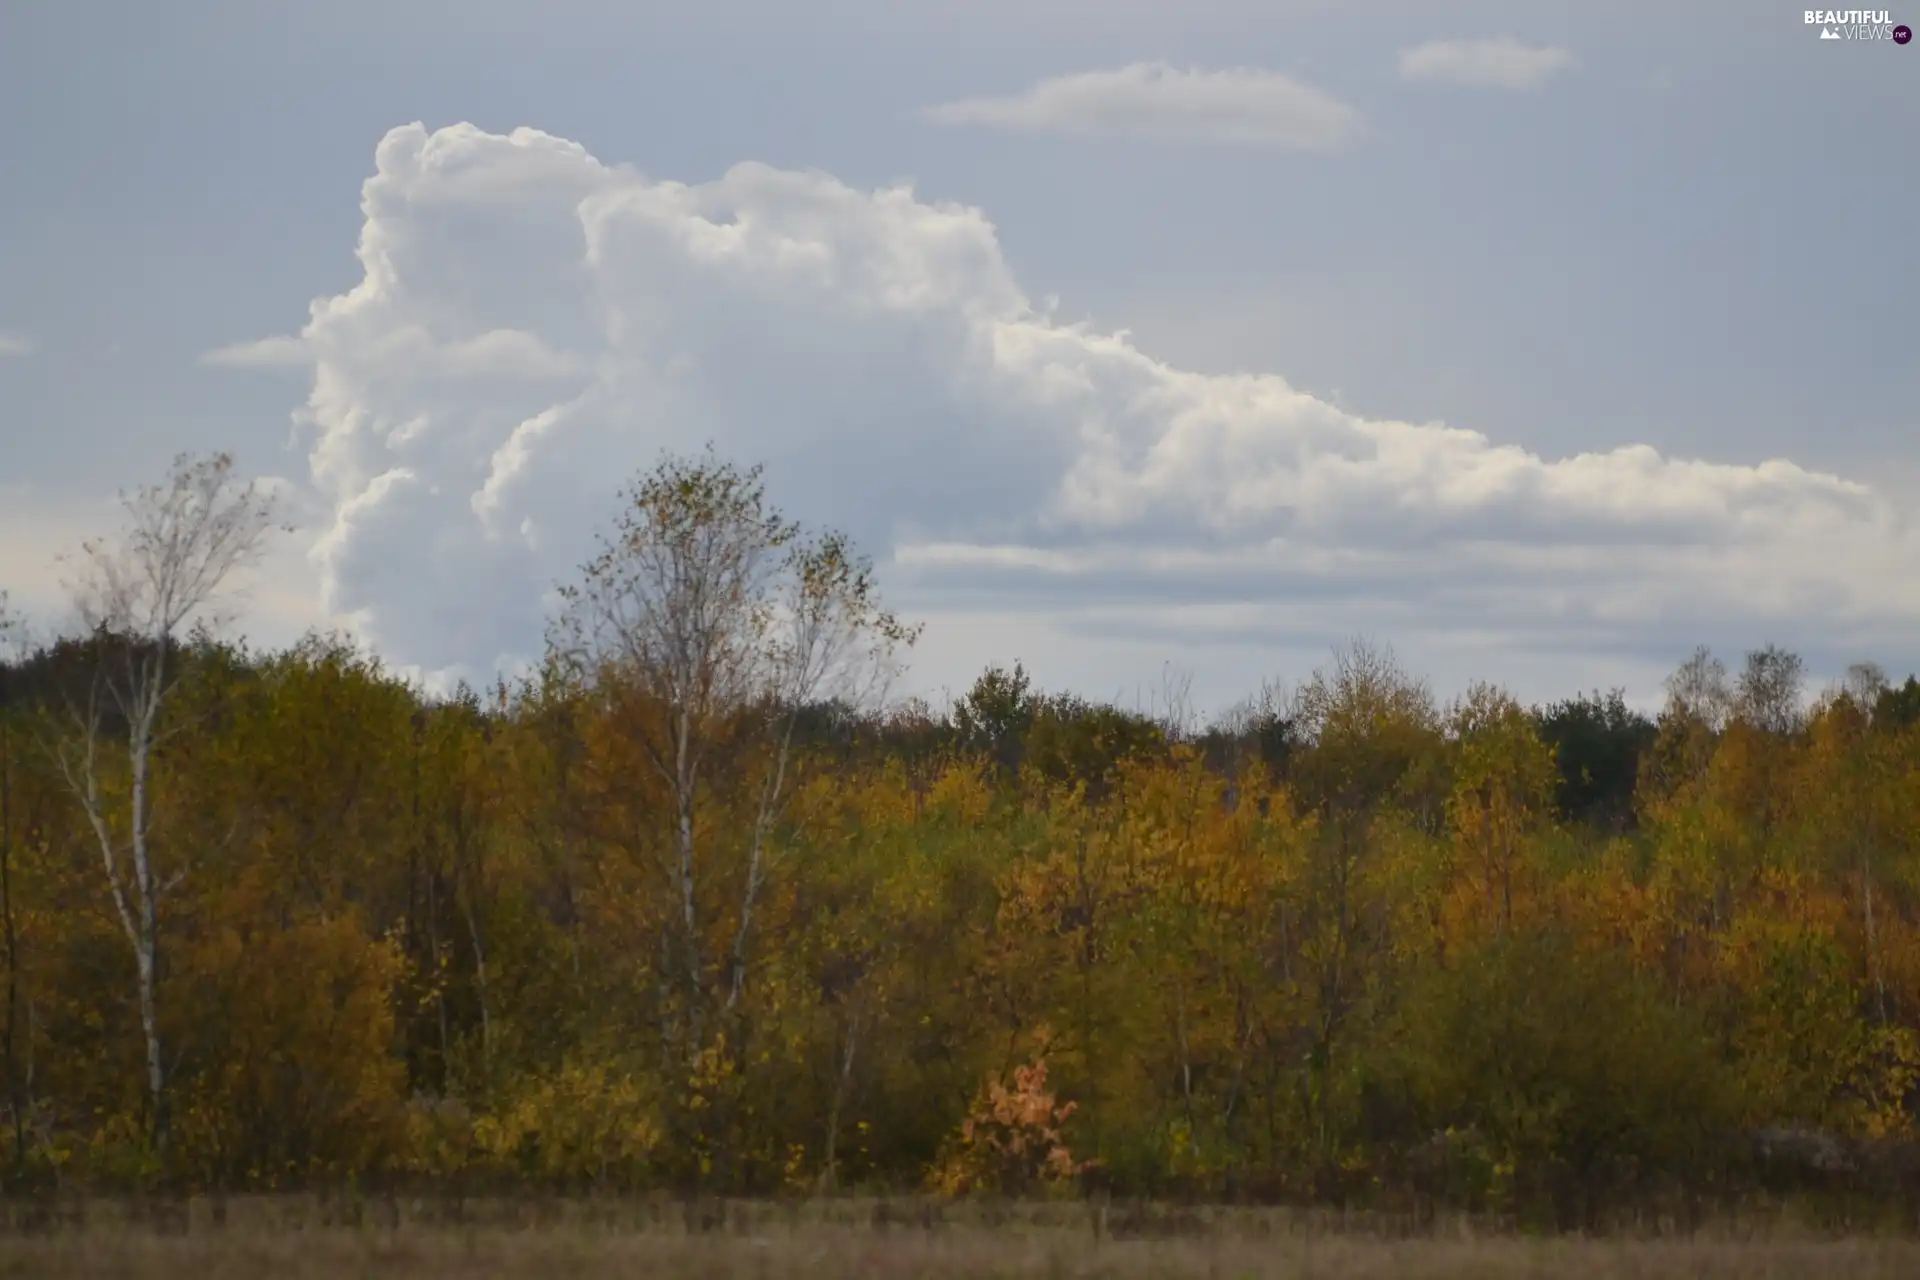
1010 1141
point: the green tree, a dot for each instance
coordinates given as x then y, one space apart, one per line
1597 742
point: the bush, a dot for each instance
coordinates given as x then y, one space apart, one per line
1557 1074
1010 1143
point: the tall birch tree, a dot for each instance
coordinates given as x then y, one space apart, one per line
719 622
182 542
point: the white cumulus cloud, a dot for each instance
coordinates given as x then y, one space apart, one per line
1154 100
262 353
1499 63
474 410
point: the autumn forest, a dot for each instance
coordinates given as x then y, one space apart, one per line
694 905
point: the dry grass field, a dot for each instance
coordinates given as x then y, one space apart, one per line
295 1238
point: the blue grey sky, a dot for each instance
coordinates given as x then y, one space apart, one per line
1571 229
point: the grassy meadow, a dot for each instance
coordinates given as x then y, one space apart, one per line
309 1238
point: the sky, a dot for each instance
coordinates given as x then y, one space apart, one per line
1138 342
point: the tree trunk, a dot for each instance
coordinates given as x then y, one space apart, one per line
146 941
829 1170
756 863
471 870
439 969
1873 937
686 785
480 986
16 1093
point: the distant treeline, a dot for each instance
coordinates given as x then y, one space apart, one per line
680 912
1345 941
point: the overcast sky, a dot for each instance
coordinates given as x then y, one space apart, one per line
1541 341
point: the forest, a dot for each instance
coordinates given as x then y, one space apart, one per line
691 906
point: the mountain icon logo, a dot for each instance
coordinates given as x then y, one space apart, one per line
1828 33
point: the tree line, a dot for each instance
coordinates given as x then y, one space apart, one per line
690 907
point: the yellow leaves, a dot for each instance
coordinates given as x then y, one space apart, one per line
713 1069
294 1028
1236 963
1898 956
960 793
440 1137
842 805
1803 1050
588 1122
1503 773
1883 1082
793 1171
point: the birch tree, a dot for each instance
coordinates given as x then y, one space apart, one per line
720 621
182 542
12 650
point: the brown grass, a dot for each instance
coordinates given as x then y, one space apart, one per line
301 1238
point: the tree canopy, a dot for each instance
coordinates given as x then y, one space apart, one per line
691 907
